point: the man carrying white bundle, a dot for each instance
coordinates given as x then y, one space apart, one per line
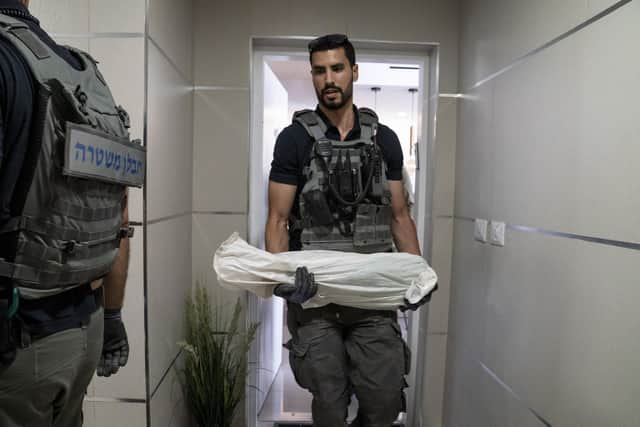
336 184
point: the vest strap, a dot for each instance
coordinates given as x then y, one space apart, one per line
31 224
51 278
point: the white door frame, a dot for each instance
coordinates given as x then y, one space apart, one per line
429 89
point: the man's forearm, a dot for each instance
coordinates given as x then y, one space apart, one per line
114 282
276 238
404 235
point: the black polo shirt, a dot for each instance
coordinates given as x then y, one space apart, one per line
293 147
18 92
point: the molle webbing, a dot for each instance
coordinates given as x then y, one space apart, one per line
344 203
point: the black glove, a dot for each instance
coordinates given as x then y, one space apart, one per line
305 287
413 307
115 350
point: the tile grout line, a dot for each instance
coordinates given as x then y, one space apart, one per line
560 234
166 372
550 43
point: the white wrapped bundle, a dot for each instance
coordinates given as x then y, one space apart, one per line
376 281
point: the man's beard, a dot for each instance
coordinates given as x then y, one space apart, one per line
342 99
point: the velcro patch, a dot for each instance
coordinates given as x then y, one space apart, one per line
95 155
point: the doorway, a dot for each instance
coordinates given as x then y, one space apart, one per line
395 82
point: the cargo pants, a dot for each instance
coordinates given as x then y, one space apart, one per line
46 384
336 351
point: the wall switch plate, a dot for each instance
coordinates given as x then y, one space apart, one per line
497 231
480 230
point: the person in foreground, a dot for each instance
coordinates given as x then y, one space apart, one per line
336 184
66 162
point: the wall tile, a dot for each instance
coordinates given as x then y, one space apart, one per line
221 51
474 149
445 160
209 231
494 33
221 151
433 397
169 279
170 141
441 260
108 414
81 43
62 16
125 16
170 26
522 162
551 339
130 381
168 407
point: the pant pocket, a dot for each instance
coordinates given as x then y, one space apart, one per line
297 358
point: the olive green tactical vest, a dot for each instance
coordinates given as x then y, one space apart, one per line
67 208
345 204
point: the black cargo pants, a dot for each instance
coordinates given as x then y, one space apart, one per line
336 351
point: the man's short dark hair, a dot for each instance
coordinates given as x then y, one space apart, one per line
333 41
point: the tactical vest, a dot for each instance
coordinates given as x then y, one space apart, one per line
345 204
66 212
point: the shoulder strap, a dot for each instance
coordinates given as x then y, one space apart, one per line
368 123
311 122
43 62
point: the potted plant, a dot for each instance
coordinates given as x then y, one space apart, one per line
215 360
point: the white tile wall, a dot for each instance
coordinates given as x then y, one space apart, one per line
473 198
496 32
221 150
76 42
169 281
548 144
108 414
445 151
108 16
433 396
221 51
168 406
170 142
209 231
441 262
62 16
571 167
170 26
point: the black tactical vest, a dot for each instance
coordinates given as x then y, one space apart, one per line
67 210
345 204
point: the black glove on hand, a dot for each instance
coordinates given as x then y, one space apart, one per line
413 307
115 350
305 287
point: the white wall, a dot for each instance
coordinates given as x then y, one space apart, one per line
548 323
169 190
222 108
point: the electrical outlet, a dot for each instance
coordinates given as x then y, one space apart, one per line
497 231
480 230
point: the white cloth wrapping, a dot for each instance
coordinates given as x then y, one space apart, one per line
377 281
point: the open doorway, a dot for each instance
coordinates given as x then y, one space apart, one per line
395 85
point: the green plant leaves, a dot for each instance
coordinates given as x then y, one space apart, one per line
215 360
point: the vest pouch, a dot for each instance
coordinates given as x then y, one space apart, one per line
372 225
317 209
